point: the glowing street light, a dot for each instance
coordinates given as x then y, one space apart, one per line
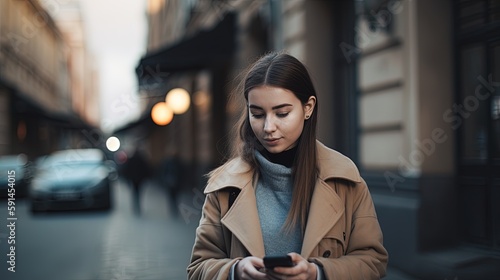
113 144
178 100
161 114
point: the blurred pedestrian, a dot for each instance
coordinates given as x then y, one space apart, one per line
137 170
290 194
171 175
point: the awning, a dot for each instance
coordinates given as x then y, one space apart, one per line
203 50
142 124
25 107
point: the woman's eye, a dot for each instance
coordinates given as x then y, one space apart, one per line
282 115
257 116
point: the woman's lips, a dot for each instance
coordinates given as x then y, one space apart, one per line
271 141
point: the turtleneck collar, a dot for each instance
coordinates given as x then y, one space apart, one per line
285 158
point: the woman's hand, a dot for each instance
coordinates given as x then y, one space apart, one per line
302 270
248 268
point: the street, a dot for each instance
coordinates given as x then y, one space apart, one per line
118 244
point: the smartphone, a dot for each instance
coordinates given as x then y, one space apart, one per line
274 261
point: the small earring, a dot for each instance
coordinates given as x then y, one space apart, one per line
307 117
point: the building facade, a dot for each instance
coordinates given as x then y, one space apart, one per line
36 83
408 89
82 65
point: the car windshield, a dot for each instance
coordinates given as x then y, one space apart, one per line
70 169
70 157
73 164
68 161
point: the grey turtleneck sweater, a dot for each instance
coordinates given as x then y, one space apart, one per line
274 196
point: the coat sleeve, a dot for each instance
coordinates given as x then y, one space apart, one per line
365 257
209 258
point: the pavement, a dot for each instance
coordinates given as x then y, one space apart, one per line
152 243
394 273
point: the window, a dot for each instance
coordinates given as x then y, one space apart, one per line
477 49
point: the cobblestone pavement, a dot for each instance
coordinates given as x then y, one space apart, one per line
152 244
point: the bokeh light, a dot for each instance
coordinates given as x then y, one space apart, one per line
113 144
161 114
201 98
178 100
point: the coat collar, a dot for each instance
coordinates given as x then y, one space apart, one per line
332 164
235 173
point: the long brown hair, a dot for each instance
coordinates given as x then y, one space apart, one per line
285 71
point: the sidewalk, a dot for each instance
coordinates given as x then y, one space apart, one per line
149 244
396 274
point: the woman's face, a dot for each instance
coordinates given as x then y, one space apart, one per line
277 117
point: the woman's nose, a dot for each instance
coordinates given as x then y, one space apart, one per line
269 125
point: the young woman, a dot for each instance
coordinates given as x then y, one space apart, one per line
285 193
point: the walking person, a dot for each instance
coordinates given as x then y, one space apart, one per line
285 193
137 170
171 176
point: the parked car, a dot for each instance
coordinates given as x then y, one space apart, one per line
72 179
15 171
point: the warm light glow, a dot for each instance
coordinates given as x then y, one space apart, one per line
113 144
178 100
154 6
21 130
201 98
161 114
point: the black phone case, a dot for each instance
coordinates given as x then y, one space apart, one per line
274 261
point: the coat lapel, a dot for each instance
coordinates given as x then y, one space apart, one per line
326 209
242 220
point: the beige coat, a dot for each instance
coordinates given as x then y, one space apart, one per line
342 235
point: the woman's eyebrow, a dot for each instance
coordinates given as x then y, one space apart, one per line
274 108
